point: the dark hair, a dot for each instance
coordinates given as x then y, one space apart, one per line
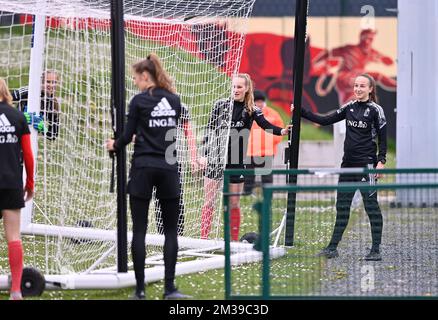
153 66
373 85
259 95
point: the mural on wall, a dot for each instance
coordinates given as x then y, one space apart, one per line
269 60
329 71
348 61
338 48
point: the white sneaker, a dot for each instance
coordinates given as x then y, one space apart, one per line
15 296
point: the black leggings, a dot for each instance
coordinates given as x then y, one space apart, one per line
159 219
343 204
139 213
266 178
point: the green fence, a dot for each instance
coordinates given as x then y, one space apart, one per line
408 202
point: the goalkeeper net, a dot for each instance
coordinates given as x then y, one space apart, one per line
70 227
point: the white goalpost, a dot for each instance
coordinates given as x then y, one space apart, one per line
69 229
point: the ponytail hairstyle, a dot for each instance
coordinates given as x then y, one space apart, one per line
373 85
153 66
249 95
5 95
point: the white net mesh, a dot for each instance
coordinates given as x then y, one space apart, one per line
200 44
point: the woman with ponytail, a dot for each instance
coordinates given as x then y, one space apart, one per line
15 146
231 119
365 123
154 115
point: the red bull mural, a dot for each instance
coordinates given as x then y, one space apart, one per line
329 68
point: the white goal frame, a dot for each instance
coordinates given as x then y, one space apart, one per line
209 253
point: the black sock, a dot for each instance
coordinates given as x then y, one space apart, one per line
171 210
169 286
139 209
332 247
139 289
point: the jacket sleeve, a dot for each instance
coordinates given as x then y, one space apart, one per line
265 124
213 125
16 96
131 127
325 119
380 125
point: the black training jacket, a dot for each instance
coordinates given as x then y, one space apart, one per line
365 129
239 122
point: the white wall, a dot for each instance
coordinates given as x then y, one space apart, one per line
417 93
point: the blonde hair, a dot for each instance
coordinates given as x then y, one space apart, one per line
153 66
49 71
44 78
5 95
249 95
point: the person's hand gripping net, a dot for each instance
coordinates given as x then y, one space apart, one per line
36 121
285 130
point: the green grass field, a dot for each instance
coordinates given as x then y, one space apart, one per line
297 273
